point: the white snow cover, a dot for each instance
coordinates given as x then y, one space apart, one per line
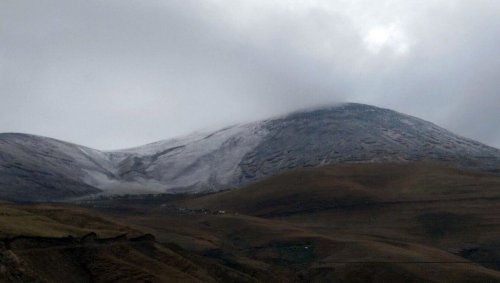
211 161
200 159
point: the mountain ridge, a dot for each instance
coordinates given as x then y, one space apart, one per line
233 156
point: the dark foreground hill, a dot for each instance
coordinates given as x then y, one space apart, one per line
35 168
53 244
343 223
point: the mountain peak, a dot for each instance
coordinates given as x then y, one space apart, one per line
236 155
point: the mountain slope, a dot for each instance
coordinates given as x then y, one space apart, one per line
37 168
350 133
351 187
207 160
338 223
355 133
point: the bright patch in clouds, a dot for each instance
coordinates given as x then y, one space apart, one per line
391 37
378 36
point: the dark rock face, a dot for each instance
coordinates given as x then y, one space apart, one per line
38 169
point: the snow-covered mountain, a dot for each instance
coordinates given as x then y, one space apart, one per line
38 168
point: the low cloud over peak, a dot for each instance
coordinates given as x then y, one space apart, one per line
114 74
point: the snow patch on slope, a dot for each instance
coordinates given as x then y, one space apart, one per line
195 162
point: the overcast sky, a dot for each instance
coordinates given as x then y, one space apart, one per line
118 73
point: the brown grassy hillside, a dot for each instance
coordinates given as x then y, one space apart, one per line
352 223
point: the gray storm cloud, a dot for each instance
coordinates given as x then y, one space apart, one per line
113 74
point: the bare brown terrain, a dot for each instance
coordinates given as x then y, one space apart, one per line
342 223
